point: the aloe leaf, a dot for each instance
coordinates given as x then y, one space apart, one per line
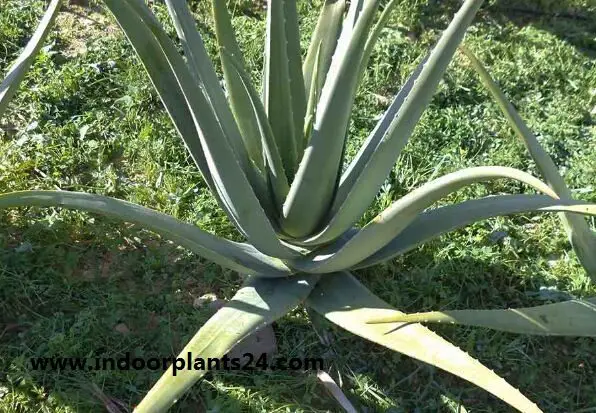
277 86
317 175
353 200
236 256
375 33
165 83
567 318
259 302
349 304
387 225
240 102
582 238
433 223
367 150
274 164
227 166
324 37
201 67
313 97
297 91
17 71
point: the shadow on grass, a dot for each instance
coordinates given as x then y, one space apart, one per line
574 25
58 300
571 23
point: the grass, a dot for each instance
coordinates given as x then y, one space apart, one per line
88 119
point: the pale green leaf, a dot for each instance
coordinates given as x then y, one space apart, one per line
313 97
319 169
435 222
274 163
239 257
277 86
17 71
259 302
350 205
349 304
297 91
324 37
240 102
343 254
568 318
375 33
581 236
229 168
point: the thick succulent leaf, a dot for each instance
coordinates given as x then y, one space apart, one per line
354 199
581 236
568 318
259 302
202 69
342 254
197 100
375 33
433 223
278 85
368 148
349 304
166 85
17 71
352 17
274 164
236 256
313 98
324 37
297 91
225 164
317 175
241 105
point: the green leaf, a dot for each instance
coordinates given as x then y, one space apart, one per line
241 104
324 37
236 256
376 32
346 302
319 170
201 67
582 238
297 91
352 201
568 318
279 83
166 84
433 223
313 98
258 303
17 71
229 168
343 254
367 150
274 163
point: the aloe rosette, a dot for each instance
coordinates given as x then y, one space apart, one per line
274 161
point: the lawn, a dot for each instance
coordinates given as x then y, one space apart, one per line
79 285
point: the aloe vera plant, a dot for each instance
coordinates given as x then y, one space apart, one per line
273 161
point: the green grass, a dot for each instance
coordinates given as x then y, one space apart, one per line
88 119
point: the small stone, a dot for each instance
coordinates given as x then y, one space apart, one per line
203 300
497 236
122 328
24 247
